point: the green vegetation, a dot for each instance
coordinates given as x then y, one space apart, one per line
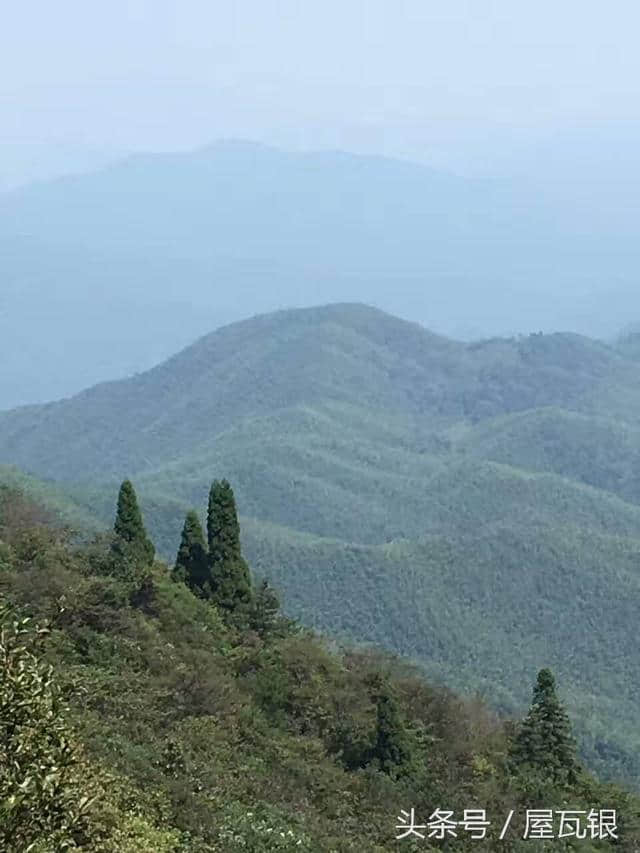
131 546
475 508
40 799
390 750
192 562
230 584
164 726
544 742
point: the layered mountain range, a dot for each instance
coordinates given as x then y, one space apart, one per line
475 507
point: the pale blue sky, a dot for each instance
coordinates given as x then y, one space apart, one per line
468 85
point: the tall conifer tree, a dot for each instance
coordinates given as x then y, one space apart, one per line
131 536
192 563
230 578
544 740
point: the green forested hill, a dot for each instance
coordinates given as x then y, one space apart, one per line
145 716
474 507
343 354
595 449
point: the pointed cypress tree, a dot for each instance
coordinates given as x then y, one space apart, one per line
230 578
131 540
544 740
192 563
223 529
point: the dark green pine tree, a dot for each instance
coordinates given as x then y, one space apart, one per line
192 561
230 578
131 541
391 747
543 740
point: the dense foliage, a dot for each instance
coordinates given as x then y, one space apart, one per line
544 742
40 799
131 543
475 507
230 584
192 561
170 726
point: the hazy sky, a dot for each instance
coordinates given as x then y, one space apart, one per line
477 84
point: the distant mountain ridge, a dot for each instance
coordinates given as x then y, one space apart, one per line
164 247
342 354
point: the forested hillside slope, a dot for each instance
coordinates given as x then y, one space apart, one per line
149 710
472 506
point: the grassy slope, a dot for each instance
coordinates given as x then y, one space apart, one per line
400 489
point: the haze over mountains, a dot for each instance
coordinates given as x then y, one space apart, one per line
24 162
166 247
473 506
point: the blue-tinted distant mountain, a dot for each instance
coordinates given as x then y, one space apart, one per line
115 269
239 200
23 162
